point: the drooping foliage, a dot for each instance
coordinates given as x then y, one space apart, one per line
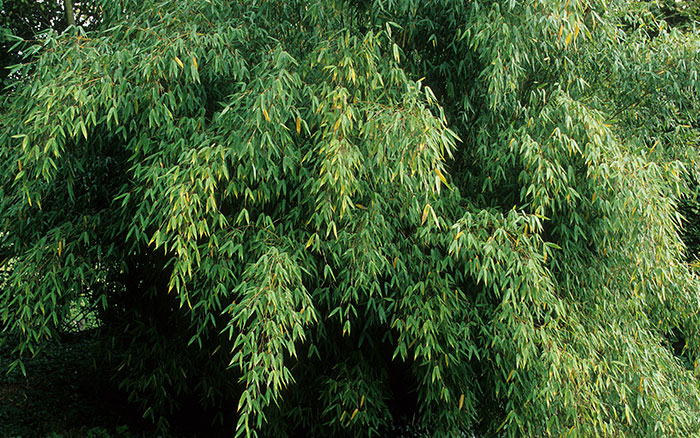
327 217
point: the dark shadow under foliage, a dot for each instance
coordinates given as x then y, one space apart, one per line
63 393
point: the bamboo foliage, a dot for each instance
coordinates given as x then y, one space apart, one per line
292 210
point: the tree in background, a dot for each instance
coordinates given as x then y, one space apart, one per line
27 20
332 216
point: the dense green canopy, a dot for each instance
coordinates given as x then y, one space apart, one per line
332 216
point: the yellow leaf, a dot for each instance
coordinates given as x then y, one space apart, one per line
362 401
568 38
461 401
267 116
510 375
353 414
426 210
194 61
650 150
298 125
337 124
179 62
441 176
